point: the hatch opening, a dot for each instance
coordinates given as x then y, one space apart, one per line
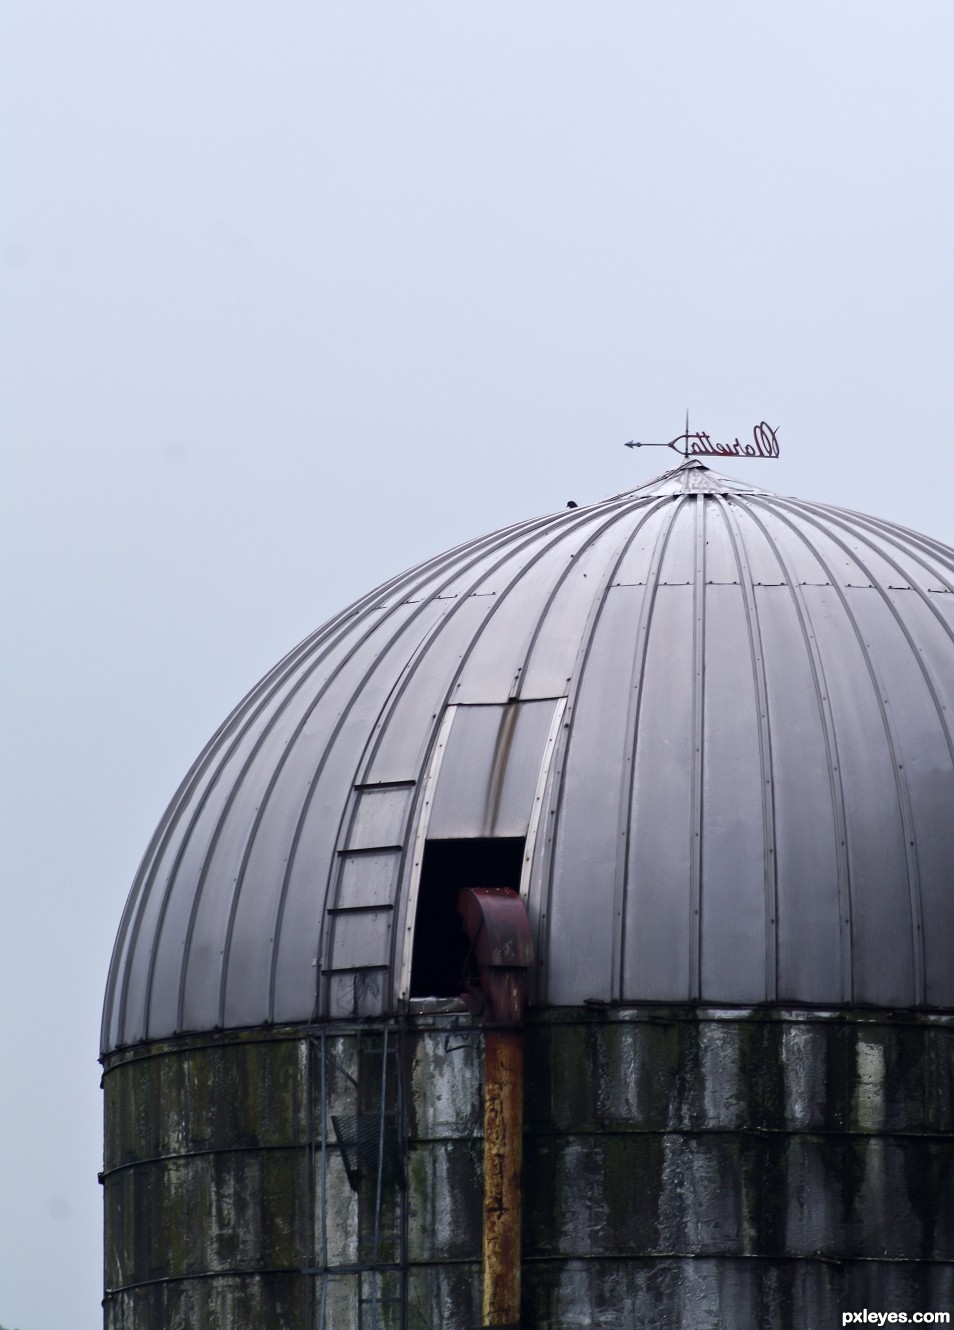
441 946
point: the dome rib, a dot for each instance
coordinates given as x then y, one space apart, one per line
823 701
698 744
618 515
888 531
643 508
631 739
839 520
925 598
730 510
648 509
879 689
917 655
127 935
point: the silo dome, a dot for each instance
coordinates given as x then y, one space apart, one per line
717 721
559 936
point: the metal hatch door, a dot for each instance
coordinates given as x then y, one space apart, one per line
486 782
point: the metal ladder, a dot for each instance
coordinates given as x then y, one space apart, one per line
371 1143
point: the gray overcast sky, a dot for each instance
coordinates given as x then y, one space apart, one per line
298 294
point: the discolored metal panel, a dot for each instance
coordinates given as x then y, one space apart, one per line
368 878
489 771
381 816
359 939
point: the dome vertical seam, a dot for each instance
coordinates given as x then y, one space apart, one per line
250 706
650 504
698 757
829 734
880 692
730 508
630 743
836 516
919 549
925 599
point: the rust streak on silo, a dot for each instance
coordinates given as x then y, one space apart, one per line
503 1162
496 922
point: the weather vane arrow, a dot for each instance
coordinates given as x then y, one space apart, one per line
699 444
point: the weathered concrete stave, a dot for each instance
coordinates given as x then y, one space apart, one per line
677 1164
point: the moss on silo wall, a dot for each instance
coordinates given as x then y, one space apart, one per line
206 1178
707 1169
682 1168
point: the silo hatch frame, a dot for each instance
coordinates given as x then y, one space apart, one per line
485 791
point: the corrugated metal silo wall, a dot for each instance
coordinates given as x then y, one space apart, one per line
682 1168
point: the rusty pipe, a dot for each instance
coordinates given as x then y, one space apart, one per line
496 923
503 1161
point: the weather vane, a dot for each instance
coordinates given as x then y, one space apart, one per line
765 443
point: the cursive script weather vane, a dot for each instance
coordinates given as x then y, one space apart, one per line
699 444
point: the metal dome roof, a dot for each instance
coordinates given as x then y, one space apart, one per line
722 720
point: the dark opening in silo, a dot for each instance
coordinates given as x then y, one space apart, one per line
441 946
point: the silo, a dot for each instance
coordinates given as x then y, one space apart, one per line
697 741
